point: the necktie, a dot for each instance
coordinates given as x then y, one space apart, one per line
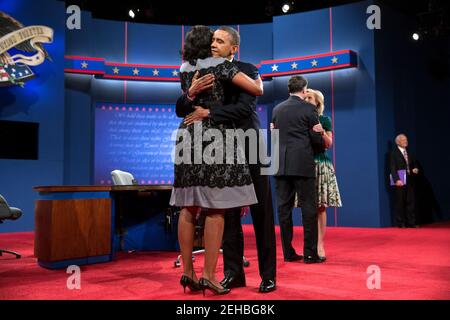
405 155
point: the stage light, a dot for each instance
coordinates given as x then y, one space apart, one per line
285 8
131 14
415 36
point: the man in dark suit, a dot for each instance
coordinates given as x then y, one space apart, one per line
295 118
404 199
240 108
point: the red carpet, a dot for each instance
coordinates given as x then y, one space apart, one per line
414 263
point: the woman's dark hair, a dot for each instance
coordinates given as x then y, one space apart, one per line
197 44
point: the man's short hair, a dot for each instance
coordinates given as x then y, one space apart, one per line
398 137
297 84
235 37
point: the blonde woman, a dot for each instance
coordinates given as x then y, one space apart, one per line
326 183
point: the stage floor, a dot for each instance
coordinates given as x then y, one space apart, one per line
414 264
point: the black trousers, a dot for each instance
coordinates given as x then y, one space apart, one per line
404 204
287 186
264 226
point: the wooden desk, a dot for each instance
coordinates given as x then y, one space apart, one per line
76 225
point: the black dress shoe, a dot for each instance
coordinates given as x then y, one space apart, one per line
311 259
231 282
267 286
294 257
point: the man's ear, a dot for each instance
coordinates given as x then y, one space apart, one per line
234 49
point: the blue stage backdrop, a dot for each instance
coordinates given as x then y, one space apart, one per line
139 139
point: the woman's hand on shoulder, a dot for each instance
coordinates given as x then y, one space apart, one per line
318 128
200 84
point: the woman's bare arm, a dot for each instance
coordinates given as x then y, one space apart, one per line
254 87
328 139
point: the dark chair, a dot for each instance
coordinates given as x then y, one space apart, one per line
10 213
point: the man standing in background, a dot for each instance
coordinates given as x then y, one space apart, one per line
295 119
403 169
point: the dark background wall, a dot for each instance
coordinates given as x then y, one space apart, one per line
412 81
369 104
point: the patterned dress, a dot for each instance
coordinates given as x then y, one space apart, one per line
221 180
326 183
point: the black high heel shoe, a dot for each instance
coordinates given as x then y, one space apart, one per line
185 281
206 284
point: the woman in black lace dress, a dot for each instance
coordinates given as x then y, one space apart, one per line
207 178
